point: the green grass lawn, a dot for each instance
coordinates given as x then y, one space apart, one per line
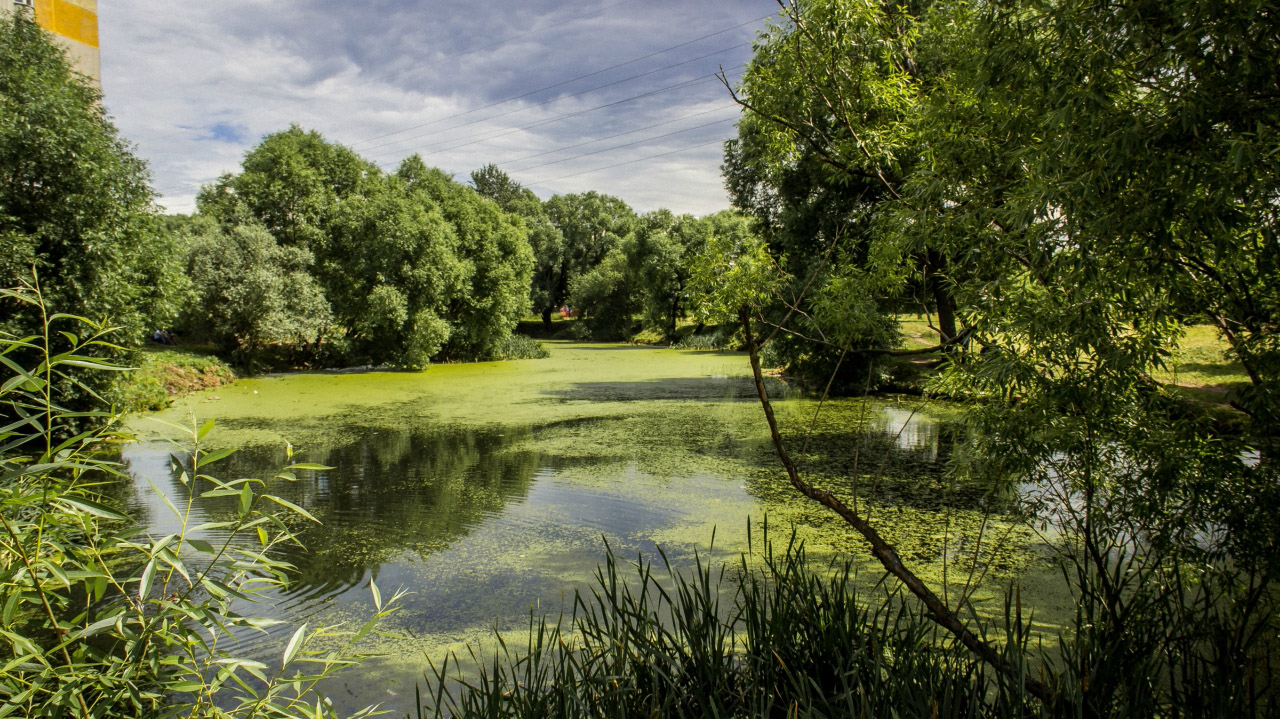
1199 369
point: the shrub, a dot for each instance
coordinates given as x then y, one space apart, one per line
521 347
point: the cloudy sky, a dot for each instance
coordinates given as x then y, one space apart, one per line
608 95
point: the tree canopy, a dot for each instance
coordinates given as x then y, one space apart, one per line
75 203
400 268
1073 183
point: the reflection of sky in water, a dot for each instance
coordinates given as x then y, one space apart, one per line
909 430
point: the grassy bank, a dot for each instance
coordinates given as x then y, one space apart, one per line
165 372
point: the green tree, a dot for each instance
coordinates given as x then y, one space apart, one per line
607 296
592 226
390 272
1091 176
411 266
493 246
545 238
289 183
827 141
75 204
255 292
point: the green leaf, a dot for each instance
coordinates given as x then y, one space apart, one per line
204 429
201 545
295 644
246 499
290 505
10 605
148 576
95 508
95 628
214 456
308 465
92 365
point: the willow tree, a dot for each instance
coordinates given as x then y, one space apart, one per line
826 142
1094 176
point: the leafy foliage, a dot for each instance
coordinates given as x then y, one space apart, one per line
75 205
254 292
377 269
1080 179
784 641
101 621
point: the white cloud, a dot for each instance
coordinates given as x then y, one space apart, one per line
196 89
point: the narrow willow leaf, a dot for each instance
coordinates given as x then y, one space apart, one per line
214 456
94 629
286 503
246 499
204 429
10 605
364 630
308 465
186 685
95 508
148 576
295 644
167 555
91 365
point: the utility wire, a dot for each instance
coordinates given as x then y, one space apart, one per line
189 185
621 164
497 44
629 144
620 134
512 131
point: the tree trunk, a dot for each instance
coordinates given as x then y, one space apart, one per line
946 306
546 318
942 299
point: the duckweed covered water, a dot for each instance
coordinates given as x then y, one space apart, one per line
488 489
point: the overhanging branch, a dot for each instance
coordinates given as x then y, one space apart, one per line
888 557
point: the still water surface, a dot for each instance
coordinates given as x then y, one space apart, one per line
486 489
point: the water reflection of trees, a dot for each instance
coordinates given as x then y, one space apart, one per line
390 492
899 458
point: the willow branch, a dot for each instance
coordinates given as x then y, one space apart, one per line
882 550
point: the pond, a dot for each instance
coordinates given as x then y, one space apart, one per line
485 490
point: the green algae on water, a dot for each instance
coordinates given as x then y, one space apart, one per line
486 489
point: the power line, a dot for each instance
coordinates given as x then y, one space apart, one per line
628 162
499 43
557 118
629 144
620 134
699 80
198 184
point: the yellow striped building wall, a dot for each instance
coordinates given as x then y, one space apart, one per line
74 23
